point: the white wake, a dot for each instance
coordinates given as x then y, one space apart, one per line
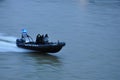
8 44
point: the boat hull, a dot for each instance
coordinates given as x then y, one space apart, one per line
47 47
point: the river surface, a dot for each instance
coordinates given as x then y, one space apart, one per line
90 28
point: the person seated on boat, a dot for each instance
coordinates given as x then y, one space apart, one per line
38 39
42 39
46 38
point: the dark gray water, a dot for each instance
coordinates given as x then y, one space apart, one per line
90 28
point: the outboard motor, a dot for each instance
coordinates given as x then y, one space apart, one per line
20 42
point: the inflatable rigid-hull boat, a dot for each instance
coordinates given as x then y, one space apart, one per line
49 47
